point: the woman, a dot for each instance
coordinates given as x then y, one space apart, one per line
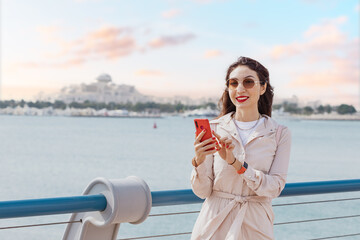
249 165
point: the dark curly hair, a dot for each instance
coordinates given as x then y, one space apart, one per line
265 101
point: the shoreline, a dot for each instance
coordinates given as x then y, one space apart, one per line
322 117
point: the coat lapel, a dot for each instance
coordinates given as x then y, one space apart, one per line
266 127
226 122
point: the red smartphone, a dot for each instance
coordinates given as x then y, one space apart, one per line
202 124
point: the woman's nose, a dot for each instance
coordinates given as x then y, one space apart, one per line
240 87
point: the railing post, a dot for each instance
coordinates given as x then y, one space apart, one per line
128 200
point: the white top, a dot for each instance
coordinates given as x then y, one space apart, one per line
250 126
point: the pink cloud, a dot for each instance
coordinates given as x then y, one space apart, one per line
170 40
342 70
319 37
282 51
212 53
171 13
329 59
333 78
107 33
326 35
107 43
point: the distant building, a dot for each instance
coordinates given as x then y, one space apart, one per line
293 100
104 90
101 91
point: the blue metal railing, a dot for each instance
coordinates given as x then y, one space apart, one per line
175 197
49 206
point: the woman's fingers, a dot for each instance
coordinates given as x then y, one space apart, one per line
216 135
198 138
222 141
227 143
204 151
231 147
218 143
204 143
207 147
211 152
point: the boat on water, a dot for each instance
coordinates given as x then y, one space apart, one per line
202 112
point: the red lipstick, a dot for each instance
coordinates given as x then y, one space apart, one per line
242 99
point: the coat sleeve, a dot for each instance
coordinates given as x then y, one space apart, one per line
202 176
271 184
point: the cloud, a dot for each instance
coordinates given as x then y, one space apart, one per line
342 70
318 38
357 8
170 40
328 59
171 13
212 53
332 78
105 43
146 73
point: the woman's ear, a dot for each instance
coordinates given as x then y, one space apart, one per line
263 88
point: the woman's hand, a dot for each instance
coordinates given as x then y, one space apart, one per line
225 148
201 150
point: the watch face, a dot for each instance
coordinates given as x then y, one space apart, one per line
245 165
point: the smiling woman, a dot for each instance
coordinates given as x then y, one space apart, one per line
249 166
253 75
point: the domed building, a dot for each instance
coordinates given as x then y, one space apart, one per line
103 90
105 78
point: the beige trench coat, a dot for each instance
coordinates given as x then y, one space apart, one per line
239 206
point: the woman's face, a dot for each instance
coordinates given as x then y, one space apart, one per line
243 97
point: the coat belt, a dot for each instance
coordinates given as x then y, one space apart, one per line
235 229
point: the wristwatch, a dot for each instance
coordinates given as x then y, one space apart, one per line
243 168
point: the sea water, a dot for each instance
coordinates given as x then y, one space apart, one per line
45 157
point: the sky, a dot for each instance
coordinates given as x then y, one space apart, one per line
181 47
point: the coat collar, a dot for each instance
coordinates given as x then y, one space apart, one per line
226 122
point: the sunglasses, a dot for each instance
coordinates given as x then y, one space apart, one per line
247 83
